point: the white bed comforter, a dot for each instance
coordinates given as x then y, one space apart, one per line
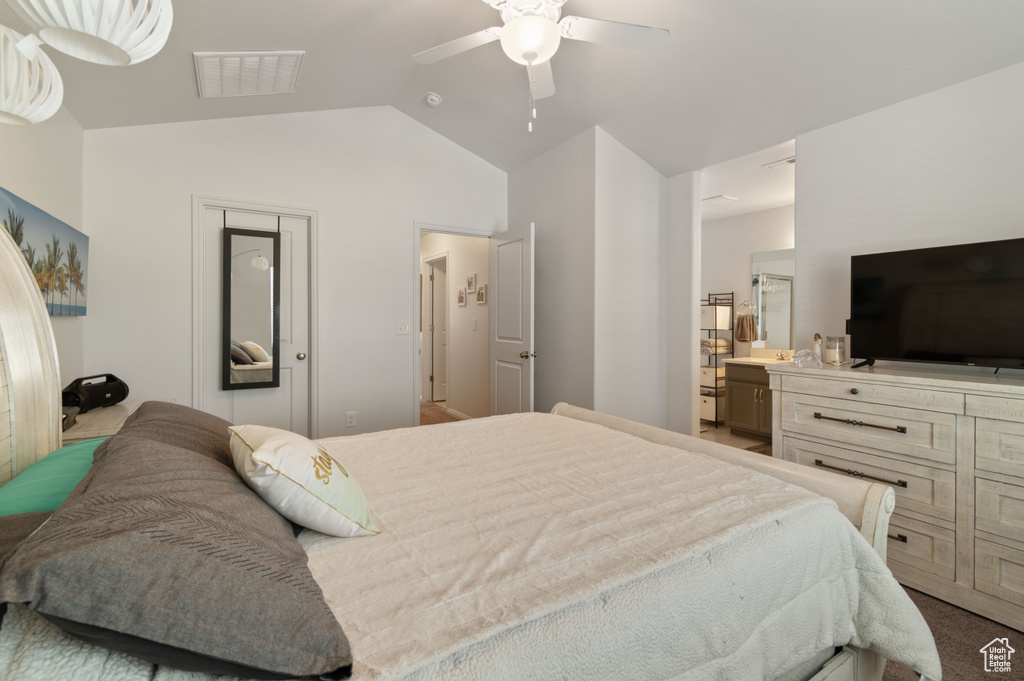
534 546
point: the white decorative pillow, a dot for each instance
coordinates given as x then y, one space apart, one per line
254 350
301 481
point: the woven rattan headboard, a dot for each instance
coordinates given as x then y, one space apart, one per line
29 378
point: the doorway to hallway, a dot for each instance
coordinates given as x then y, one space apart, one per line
454 320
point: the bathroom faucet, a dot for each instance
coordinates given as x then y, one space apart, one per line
781 354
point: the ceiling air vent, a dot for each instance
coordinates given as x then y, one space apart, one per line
238 74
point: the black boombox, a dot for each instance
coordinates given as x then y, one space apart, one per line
93 392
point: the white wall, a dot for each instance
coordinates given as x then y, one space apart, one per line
371 174
42 164
629 296
942 168
556 191
468 376
682 248
600 312
726 249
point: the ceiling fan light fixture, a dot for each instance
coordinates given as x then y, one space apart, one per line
530 39
260 263
108 32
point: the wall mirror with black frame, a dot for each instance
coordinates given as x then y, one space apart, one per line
252 309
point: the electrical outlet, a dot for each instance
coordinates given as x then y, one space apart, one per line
350 419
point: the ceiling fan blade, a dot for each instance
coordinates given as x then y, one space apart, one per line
457 46
630 36
543 80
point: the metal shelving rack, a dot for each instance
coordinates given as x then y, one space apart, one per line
716 324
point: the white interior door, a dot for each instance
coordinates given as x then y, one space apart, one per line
426 351
439 326
511 347
287 406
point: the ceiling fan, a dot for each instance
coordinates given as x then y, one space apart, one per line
532 32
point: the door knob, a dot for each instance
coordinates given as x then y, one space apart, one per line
301 356
524 355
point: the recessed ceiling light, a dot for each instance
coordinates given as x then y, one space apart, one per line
789 160
721 199
238 74
433 99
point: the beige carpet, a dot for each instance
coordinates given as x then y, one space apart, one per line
432 412
960 636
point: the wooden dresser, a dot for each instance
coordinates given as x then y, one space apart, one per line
951 444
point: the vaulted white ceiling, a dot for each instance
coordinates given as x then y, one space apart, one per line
736 76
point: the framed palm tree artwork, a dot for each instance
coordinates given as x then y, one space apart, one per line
57 254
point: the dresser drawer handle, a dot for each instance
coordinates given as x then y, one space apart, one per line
898 429
898 537
858 474
854 391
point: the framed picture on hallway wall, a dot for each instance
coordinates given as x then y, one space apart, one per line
471 283
481 294
462 296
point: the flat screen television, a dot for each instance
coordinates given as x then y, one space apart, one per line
961 304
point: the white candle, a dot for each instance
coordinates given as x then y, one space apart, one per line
835 350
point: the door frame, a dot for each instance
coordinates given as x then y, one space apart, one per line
417 227
201 382
429 261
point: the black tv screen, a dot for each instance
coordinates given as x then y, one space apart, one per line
960 304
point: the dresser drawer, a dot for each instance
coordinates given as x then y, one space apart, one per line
874 393
711 376
922 546
999 447
920 489
999 511
917 433
1005 408
999 571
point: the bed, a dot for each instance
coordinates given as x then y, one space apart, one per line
257 372
531 546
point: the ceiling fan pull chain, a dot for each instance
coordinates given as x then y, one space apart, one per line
533 102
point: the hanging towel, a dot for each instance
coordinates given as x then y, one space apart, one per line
745 328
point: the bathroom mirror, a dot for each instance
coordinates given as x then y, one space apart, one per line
772 297
252 309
